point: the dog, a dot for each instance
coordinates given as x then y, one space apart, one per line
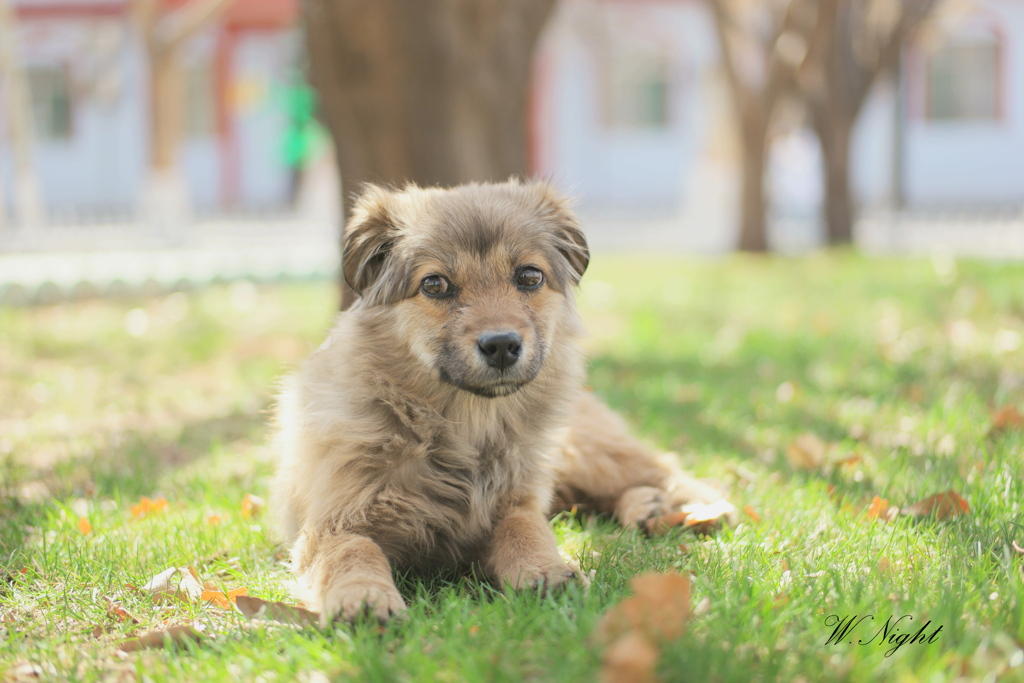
444 419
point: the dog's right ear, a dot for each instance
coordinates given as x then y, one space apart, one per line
369 236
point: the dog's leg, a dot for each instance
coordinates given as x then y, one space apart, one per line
523 553
343 576
602 466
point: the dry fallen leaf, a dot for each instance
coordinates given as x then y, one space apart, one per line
658 526
177 583
807 452
178 635
849 460
30 671
251 505
630 659
84 527
255 608
704 517
945 505
701 518
753 515
118 612
1017 548
659 609
212 518
1007 418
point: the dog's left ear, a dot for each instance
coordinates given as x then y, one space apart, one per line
569 238
369 236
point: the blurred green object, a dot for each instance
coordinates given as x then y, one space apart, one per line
303 136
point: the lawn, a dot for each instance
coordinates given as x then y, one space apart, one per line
896 365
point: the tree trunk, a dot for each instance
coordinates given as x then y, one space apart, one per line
426 91
834 135
165 202
167 101
753 206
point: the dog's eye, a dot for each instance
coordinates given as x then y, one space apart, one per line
529 278
435 285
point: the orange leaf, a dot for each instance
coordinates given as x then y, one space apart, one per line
877 508
945 505
630 659
221 600
115 610
84 527
753 515
147 506
212 518
142 507
1006 418
251 505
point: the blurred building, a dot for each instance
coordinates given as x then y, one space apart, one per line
87 73
631 112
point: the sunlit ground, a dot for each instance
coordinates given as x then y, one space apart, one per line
897 364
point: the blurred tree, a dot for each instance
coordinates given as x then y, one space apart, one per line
828 53
428 91
850 44
758 65
28 203
165 27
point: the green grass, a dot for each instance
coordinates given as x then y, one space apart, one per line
725 362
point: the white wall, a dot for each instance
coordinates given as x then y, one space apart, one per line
974 162
607 167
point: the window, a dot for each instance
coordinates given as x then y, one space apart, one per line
637 87
50 92
963 81
200 112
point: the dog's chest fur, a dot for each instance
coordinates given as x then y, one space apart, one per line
441 480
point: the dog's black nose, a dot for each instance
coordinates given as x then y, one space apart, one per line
501 349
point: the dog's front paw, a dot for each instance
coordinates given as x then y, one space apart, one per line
351 600
547 579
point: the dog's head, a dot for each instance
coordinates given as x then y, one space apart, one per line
479 277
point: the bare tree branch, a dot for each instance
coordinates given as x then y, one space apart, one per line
177 26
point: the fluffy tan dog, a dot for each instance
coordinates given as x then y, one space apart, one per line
443 420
